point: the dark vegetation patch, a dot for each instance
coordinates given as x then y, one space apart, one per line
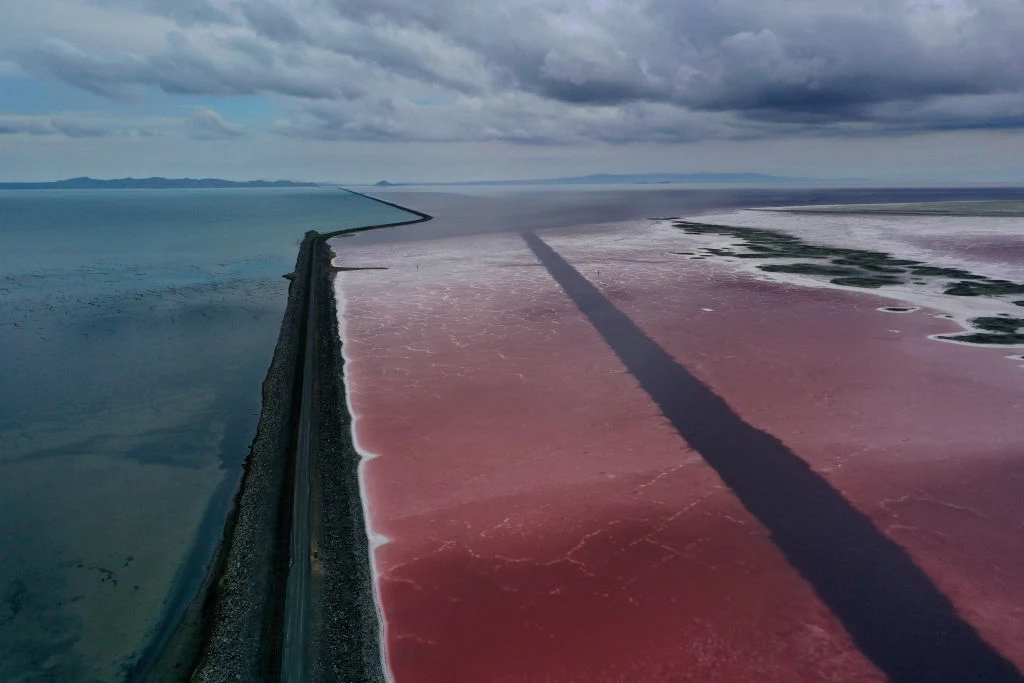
874 261
867 269
807 269
932 271
986 288
1001 331
1004 325
882 269
867 281
899 309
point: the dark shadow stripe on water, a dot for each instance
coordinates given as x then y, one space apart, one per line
889 606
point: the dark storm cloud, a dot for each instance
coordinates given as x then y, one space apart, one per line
562 71
745 56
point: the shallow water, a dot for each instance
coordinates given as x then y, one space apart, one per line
135 331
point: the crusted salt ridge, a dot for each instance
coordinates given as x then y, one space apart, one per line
376 540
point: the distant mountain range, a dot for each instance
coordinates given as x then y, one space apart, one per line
149 184
634 179
85 183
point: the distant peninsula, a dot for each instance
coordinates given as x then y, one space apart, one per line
150 184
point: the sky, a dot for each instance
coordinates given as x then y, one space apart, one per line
357 91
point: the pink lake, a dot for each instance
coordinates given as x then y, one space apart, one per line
543 521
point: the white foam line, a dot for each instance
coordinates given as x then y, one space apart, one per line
375 540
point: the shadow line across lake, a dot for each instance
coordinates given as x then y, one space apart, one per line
895 614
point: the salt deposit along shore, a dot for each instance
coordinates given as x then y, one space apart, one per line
540 515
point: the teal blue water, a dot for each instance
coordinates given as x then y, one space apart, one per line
136 328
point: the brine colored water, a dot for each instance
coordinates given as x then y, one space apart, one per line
624 461
135 331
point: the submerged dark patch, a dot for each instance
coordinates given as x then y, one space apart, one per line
807 269
986 288
862 269
932 271
866 282
999 324
13 600
1000 331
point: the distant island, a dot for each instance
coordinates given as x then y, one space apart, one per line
150 184
631 179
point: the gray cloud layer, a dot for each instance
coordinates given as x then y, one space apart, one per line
564 71
203 124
